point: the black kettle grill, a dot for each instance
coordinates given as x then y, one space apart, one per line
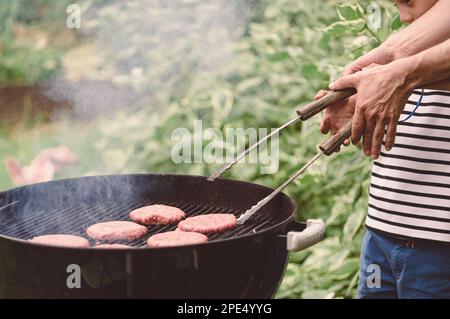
246 262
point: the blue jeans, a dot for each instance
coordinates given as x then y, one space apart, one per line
398 268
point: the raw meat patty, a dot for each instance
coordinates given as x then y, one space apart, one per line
114 246
206 224
116 230
61 240
176 238
157 215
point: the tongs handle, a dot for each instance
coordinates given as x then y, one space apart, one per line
326 148
333 142
315 107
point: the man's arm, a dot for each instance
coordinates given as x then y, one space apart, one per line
383 91
443 85
426 67
430 29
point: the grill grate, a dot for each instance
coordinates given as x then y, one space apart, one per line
75 220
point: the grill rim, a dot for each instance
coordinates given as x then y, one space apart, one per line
271 229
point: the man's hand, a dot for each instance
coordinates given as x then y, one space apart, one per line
381 55
382 92
381 98
337 115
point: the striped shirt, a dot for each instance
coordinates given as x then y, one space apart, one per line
410 185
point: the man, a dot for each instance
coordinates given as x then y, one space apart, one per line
408 222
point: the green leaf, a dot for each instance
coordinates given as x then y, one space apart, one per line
340 28
349 12
250 83
352 225
310 71
352 284
317 294
278 57
337 29
348 269
396 24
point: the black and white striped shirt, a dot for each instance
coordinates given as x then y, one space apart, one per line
410 185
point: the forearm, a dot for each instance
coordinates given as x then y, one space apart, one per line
429 66
427 31
443 85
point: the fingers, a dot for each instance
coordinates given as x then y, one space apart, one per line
367 136
320 94
357 126
335 114
344 82
325 125
346 143
354 67
350 70
377 138
370 66
390 135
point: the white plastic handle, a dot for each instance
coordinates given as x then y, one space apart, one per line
311 235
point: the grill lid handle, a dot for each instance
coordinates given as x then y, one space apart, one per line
311 235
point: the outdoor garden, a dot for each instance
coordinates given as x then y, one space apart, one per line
114 90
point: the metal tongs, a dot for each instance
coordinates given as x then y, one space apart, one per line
327 147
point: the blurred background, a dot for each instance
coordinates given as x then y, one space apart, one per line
104 98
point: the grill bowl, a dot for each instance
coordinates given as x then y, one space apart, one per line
247 262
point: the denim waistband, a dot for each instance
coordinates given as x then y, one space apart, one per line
408 241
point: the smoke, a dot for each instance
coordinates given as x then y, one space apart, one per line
141 54
149 51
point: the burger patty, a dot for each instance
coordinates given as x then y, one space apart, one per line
157 215
116 230
207 224
113 246
61 240
176 238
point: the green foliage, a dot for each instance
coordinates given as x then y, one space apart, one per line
293 49
290 50
25 56
25 64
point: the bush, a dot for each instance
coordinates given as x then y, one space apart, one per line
292 49
283 53
25 32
